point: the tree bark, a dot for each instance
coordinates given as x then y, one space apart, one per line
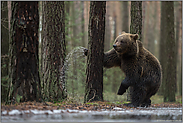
4 50
4 28
135 28
23 72
136 18
167 51
96 31
53 49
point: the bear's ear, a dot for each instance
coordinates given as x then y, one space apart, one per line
134 36
123 32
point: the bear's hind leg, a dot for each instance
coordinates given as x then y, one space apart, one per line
138 96
146 103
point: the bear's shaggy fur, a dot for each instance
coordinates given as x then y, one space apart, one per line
142 69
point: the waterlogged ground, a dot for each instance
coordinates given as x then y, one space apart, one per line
91 112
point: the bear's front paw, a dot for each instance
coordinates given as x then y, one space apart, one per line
121 90
86 52
146 103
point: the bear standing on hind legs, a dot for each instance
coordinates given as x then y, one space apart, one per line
142 69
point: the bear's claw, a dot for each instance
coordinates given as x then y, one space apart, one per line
86 52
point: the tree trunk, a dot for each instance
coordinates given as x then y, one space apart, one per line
167 51
135 28
180 50
4 50
82 24
53 50
107 30
4 28
94 81
125 11
136 18
23 72
178 7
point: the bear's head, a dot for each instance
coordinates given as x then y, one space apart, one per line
127 44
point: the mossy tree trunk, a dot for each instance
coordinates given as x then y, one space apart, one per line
94 81
168 51
53 51
135 28
23 69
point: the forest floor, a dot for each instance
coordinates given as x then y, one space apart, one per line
93 106
89 112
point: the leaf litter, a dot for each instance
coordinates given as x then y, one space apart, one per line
94 106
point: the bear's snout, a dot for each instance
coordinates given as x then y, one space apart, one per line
114 45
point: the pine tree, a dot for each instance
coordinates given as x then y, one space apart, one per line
23 69
53 51
96 31
168 51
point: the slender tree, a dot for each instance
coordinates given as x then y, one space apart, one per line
125 17
96 31
178 7
4 49
4 28
53 51
168 51
107 30
23 70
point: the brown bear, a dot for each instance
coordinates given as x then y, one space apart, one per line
142 69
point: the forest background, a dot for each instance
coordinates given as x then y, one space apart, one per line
117 19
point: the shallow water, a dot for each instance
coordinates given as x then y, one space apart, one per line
116 115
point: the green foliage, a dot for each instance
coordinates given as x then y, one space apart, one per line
4 79
18 98
125 102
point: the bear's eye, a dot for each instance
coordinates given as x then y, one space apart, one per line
122 41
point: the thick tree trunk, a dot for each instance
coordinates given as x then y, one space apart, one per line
24 74
168 51
53 50
94 81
